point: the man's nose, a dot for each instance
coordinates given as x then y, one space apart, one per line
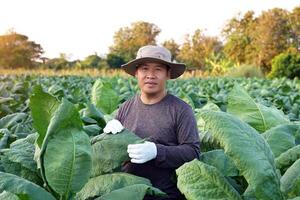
150 74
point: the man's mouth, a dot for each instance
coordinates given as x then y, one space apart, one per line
150 83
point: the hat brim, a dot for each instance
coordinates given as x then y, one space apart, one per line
176 69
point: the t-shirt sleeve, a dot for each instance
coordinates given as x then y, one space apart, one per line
120 114
188 147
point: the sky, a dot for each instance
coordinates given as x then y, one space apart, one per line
80 28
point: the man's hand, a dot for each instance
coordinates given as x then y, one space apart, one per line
141 153
113 126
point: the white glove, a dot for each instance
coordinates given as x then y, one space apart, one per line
113 126
141 153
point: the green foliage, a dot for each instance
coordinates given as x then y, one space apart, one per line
107 183
22 187
257 115
18 159
65 148
114 60
58 63
221 161
90 114
13 96
92 61
66 152
286 159
249 152
197 180
290 181
104 96
8 196
15 126
208 142
245 70
283 137
43 107
110 151
244 159
286 65
132 192
218 64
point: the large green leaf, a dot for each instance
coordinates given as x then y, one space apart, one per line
91 112
22 151
43 107
8 196
107 183
18 159
104 96
66 152
5 135
290 181
199 181
206 138
12 120
296 198
257 115
221 161
17 169
287 158
132 192
282 137
185 97
249 151
92 129
22 187
18 124
110 151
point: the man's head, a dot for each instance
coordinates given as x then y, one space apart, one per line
157 54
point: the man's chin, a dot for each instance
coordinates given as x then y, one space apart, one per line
150 92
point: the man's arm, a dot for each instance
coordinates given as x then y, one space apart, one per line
188 147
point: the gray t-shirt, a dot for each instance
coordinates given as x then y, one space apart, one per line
171 125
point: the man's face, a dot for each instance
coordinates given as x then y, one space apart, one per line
152 77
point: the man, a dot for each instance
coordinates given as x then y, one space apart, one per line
167 122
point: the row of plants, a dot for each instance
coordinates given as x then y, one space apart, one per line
52 145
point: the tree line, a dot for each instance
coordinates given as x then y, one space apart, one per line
245 39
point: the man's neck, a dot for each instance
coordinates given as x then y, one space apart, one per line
152 99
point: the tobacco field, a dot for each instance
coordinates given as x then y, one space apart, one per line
52 145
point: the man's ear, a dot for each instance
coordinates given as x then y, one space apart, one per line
135 73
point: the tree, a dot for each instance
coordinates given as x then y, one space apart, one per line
114 60
295 24
91 61
128 40
17 51
258 40
58 63
173 47
272 36
238 33
196 48
286 64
